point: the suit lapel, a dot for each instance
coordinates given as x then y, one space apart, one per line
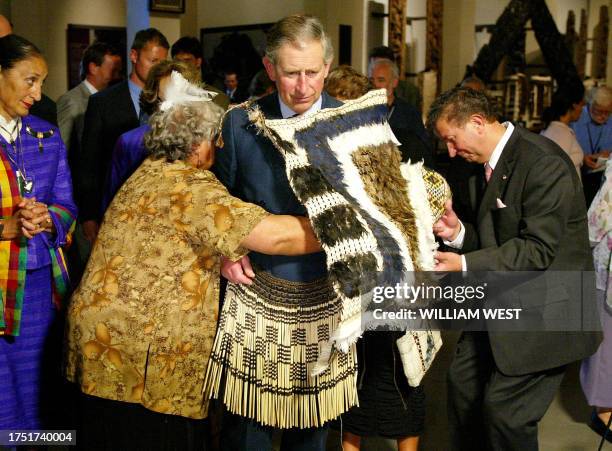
476 188
329 101
496 188
84 91
270 106
84 94
125 98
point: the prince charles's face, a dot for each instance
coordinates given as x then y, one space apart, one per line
299 74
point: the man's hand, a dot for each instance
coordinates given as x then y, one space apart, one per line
90 230
447 262
590 161
240 271
448 227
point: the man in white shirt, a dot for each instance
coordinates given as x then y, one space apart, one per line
99 65
531 217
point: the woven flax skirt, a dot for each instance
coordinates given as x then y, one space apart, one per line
266 346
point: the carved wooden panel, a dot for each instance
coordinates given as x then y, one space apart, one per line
600 44
571 36
397 32
581 47
509 29
433 58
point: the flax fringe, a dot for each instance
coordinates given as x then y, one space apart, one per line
283 397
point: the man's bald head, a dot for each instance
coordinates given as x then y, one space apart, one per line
5 26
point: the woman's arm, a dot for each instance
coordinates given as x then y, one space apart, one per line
62 208
282 235
29 219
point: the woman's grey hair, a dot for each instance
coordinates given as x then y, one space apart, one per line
297 29
176 132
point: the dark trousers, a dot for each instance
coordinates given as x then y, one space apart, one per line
107 425
489 410
242 434
591 182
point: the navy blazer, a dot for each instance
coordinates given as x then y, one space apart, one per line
252 169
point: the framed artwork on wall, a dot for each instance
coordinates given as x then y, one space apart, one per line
167 6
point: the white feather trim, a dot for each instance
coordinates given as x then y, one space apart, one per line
179 91
417 193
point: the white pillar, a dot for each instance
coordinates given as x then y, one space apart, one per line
137 12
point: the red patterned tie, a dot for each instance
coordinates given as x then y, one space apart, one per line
488 172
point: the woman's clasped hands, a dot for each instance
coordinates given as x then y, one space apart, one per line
30 219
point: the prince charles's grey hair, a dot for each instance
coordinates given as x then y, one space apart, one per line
297 29
175 133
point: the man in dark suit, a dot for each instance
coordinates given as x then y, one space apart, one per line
531 217
298 56
189 50
109 114
404 119
233 90
100 61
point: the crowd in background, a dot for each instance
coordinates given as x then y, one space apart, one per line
112 187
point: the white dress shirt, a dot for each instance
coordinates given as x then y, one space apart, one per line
9 129
91 88
457 243
288 112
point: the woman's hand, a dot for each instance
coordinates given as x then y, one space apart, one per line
239 271
30 219
35 218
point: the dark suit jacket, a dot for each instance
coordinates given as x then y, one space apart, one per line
467 184
109 114
45 109
253 170
71 108
542 228
239 95
408 128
